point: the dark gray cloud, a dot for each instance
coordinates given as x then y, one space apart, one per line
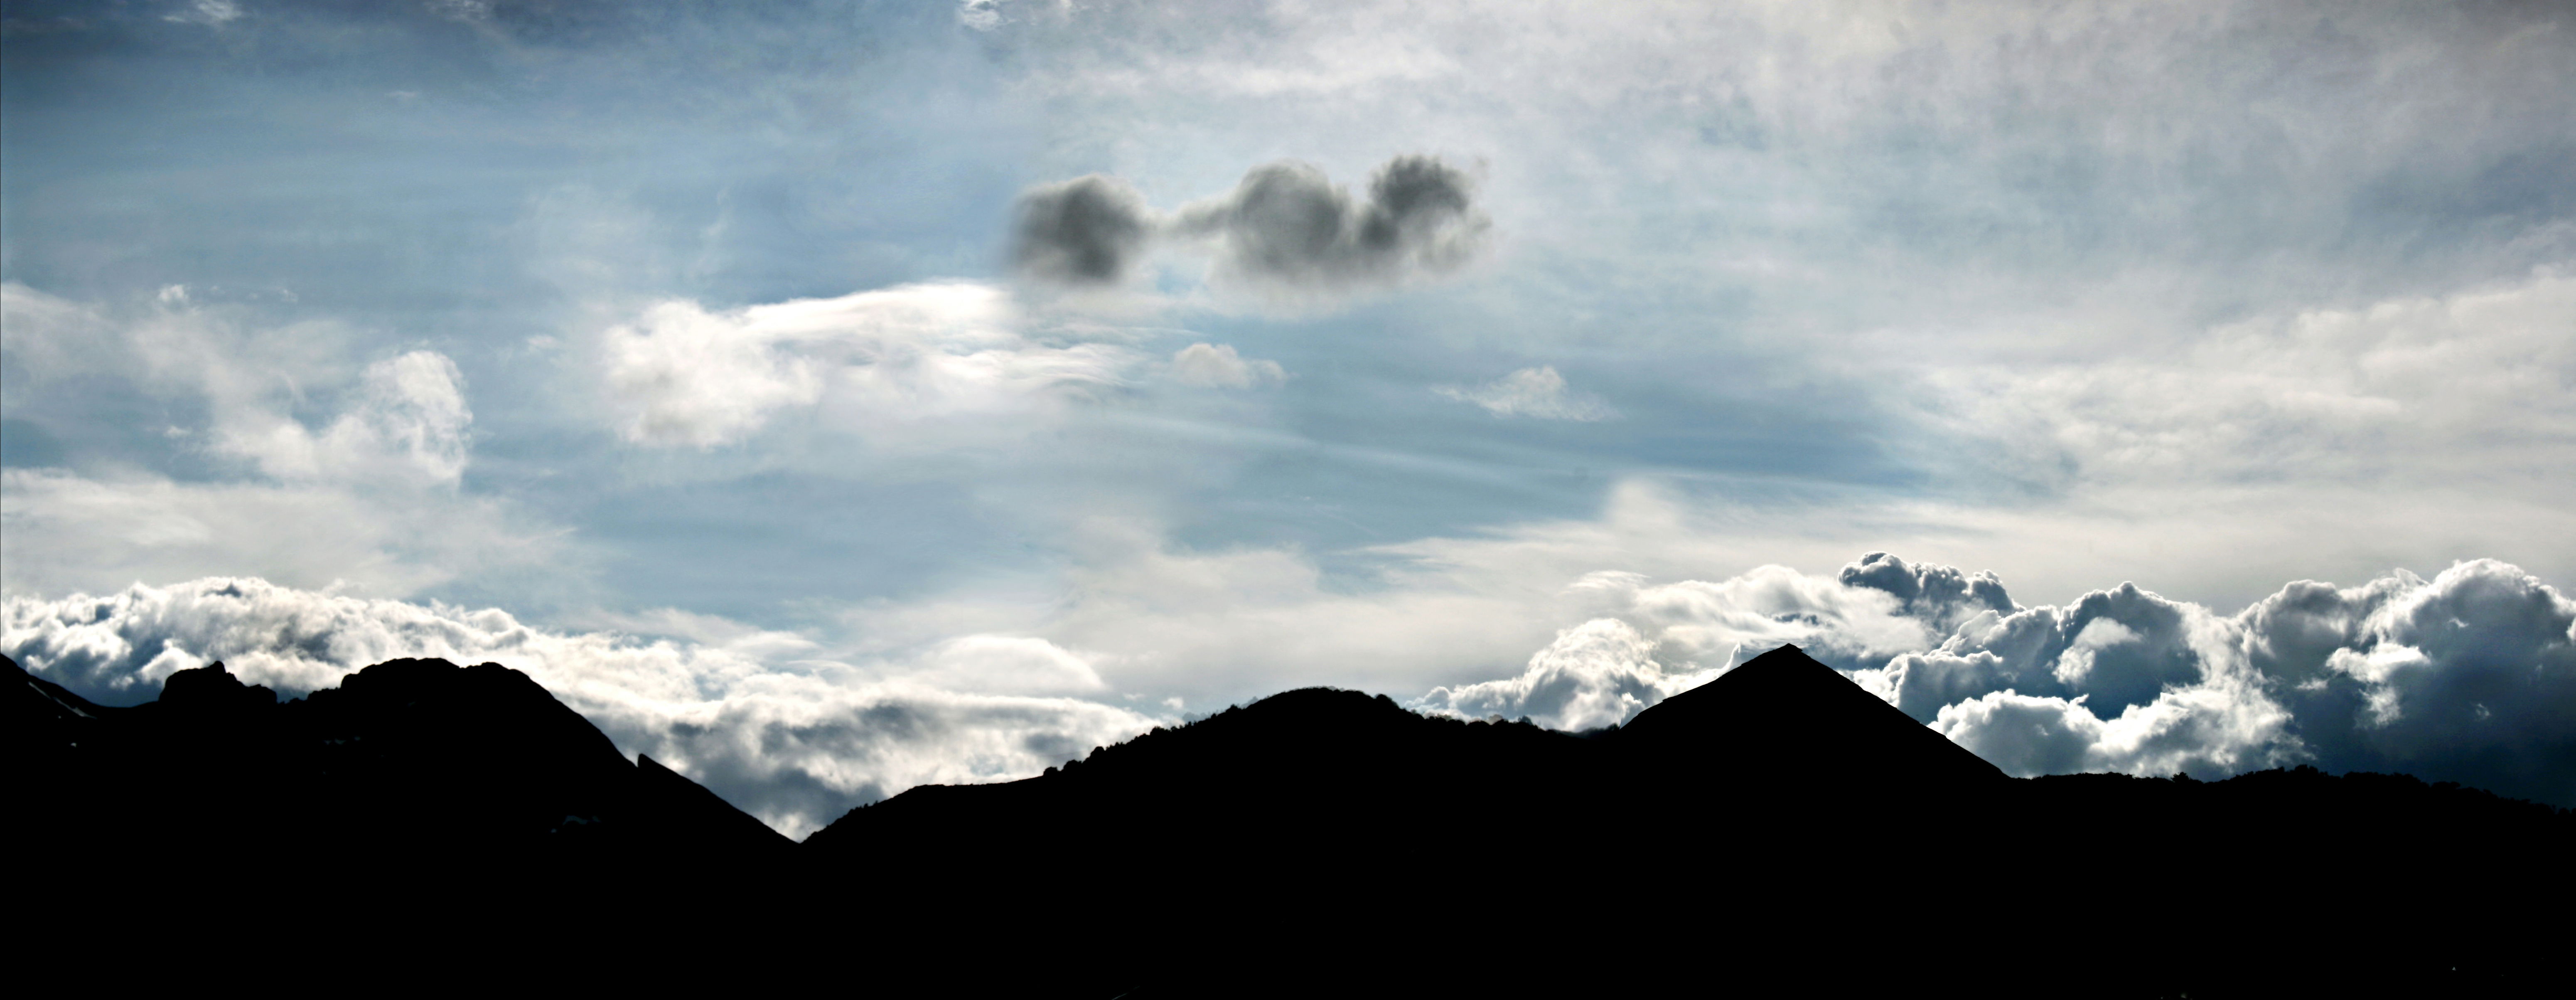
2469 677
1285 231
1085 231
1288 228
1942 596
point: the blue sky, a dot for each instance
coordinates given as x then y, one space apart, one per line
705 345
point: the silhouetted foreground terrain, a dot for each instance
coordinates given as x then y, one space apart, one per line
407 756
1778 829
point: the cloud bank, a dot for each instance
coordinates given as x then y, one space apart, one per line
791 739
2469 676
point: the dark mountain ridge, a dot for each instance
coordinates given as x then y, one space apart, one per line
1776 823
415 757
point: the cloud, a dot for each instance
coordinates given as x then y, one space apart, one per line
1596 674
1652 641
400 418
320 469
1086 231
207 12
462 11
2466 677
905 357
2469 676
1531 392
409 422
64 530
1288 232
791 738
2402 391
1940 595
1217 366
980 15
1008 665
2207 729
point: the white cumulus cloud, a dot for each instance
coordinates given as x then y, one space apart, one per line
2469 676
1596 674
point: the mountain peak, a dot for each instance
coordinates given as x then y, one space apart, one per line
1784 717
212 687
412 757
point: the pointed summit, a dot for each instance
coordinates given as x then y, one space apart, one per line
1783 718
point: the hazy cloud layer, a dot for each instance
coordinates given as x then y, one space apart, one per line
1286 233
2401 391
791 738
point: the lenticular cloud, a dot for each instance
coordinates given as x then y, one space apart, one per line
2469 676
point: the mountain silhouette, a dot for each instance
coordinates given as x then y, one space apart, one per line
412 757
1784 718
1775 830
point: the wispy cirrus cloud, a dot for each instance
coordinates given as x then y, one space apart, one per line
1218 366
916 355
1539 393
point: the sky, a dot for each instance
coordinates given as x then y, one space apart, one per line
829 398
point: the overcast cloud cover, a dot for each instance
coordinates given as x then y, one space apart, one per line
831 397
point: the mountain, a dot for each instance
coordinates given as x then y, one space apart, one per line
1776 830
1784 718
419 758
